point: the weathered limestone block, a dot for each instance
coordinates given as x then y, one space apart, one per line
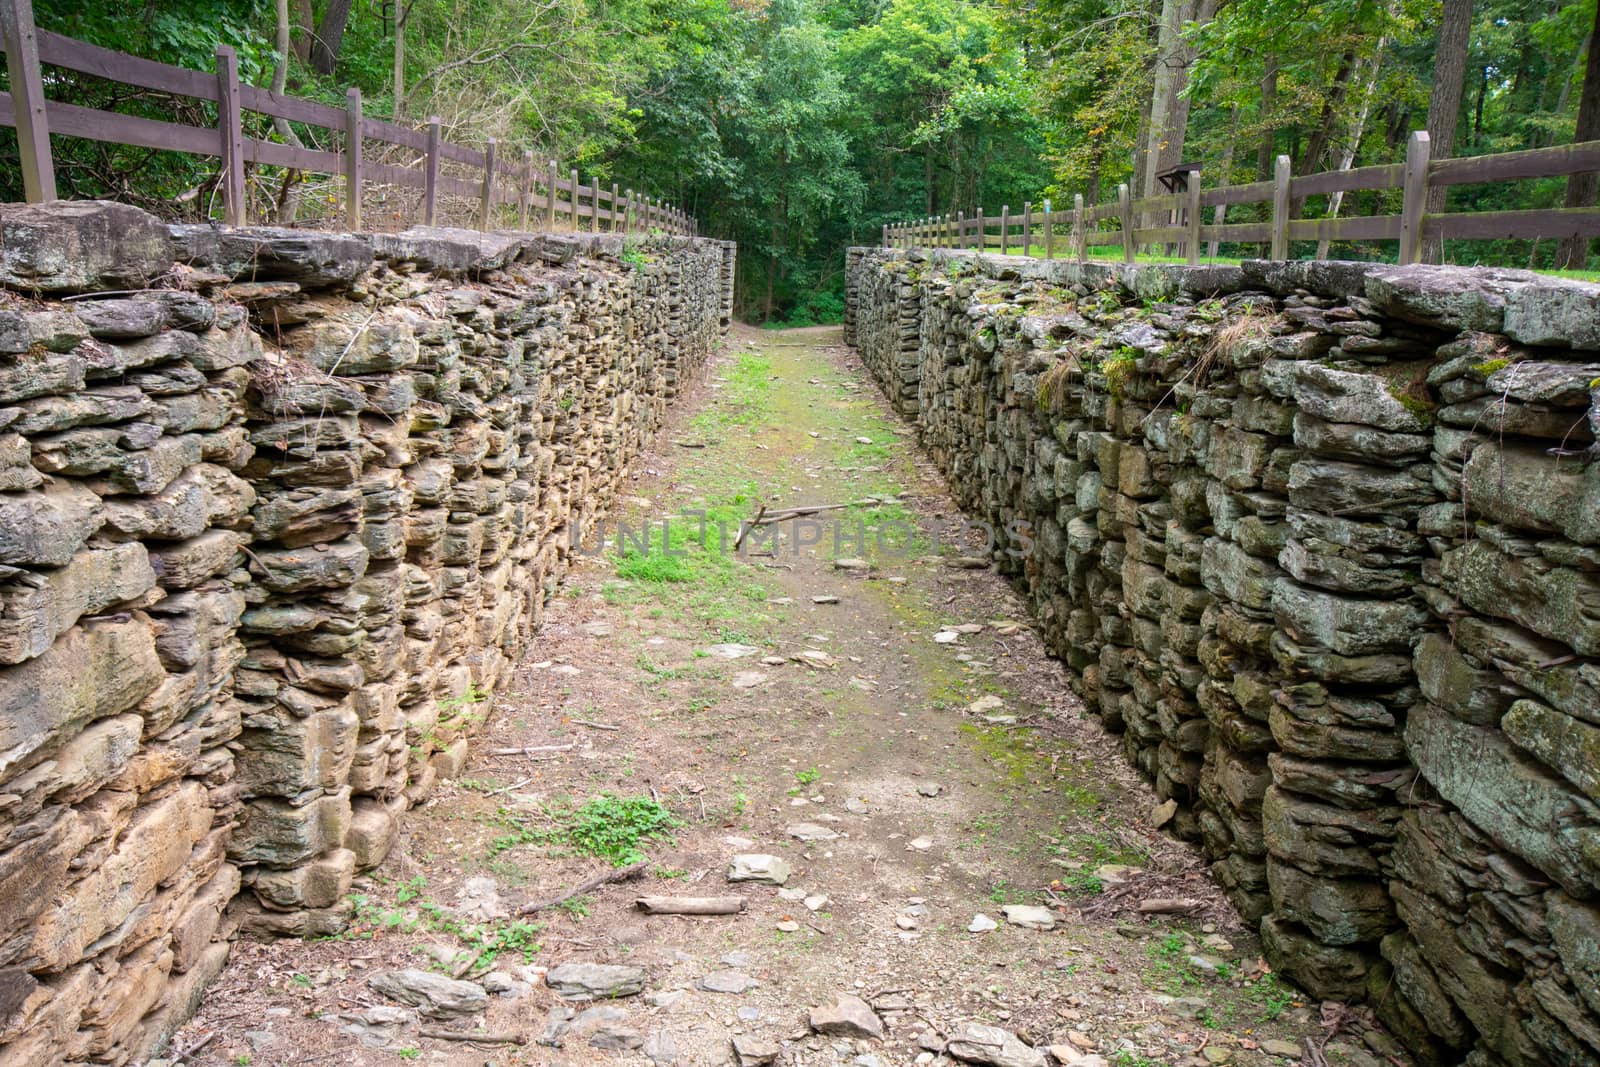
1327 841
92 671
1338 911
1340 396
1345 625
154 847
261 253
280 754
1561 603
280 834
1528 489
81 246
37 606
1557 740
1524 808
47 528
321 883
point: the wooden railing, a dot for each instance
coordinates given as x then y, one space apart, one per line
1186 230
513 192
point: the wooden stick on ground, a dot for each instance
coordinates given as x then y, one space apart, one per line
621 874
737 541
690 905
466 1035
1161 905
531 749
593 725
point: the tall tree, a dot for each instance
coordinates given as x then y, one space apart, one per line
1444 103
1574 252
329 37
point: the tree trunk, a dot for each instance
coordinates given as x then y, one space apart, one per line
280 74
1573 252
1202 12
1225 175
307 26
1158 127
401 11
330 36
1444 103
1347 154
1265 154
1332 109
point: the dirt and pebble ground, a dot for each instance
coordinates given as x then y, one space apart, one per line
877 716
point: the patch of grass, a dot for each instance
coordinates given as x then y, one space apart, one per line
413 912
614 828
744 400
1273 997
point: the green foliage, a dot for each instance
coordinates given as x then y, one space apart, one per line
608 826
614 828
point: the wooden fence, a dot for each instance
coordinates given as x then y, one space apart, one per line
1411 227
513 191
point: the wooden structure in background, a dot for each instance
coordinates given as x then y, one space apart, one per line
1411 228
504 190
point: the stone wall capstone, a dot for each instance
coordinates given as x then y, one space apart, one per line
1321 541
279 510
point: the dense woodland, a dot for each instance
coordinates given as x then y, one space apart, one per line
799 126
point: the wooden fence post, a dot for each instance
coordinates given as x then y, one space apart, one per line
1005 229
615 207
1049 235
27 100
231 126
961 229
574 201
594 203
1027 227
1125 209
1415 186
1280 208
627 213
486 211
525 190
352 160
430 177
1191 219
550 210
1080 231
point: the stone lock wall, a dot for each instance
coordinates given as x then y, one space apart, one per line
278 509
1322 542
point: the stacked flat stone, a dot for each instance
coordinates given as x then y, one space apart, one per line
1320 541
278 512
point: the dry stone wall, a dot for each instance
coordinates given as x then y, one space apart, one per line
278 511
1322 542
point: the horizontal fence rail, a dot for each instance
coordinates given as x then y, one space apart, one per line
1176 219
514 191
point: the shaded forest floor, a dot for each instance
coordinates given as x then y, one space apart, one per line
880 718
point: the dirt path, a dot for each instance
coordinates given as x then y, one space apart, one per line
915 718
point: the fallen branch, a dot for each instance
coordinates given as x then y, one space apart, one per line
531 749
594 725
690 905
620 874
1163 905
195 1046
508 788
737 541
814 509
464 1035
